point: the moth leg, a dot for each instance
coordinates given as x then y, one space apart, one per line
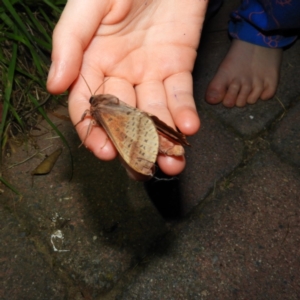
92 123
87 112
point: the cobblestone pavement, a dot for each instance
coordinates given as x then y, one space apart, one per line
227 228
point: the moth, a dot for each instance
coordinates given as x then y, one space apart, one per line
137 135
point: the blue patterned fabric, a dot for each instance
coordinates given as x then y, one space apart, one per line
267 23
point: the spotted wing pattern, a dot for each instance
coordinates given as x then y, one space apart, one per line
132 131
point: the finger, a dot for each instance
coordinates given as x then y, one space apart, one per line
86 85
122 89
151 97
181 104
71 36
94 137
171 165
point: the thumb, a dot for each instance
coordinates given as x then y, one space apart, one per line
72 34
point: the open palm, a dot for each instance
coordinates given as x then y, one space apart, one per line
147 50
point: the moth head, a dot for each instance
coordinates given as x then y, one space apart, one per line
95 100
104 99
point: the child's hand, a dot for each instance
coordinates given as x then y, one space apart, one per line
146 48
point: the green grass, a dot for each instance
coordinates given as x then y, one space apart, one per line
26 29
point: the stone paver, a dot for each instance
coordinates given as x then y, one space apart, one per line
214 153
106 219
286 138
244 244
24 272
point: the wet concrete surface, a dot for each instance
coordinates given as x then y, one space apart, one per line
226 228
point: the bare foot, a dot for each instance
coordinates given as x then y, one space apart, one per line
146 48
248 73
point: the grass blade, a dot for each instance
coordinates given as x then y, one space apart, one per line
35 56
38 25
9 186
30 40
50 23
8 89
17 19
7 20
16 116
54 7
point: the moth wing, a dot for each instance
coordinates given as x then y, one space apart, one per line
166 130
169 132
132 132
168 147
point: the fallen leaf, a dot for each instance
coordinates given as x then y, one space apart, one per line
47 164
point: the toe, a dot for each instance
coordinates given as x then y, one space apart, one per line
216 89
243 95
213 96
232 94
255 93
268 92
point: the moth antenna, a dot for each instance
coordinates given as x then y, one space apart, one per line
86 84
89 86
100 85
